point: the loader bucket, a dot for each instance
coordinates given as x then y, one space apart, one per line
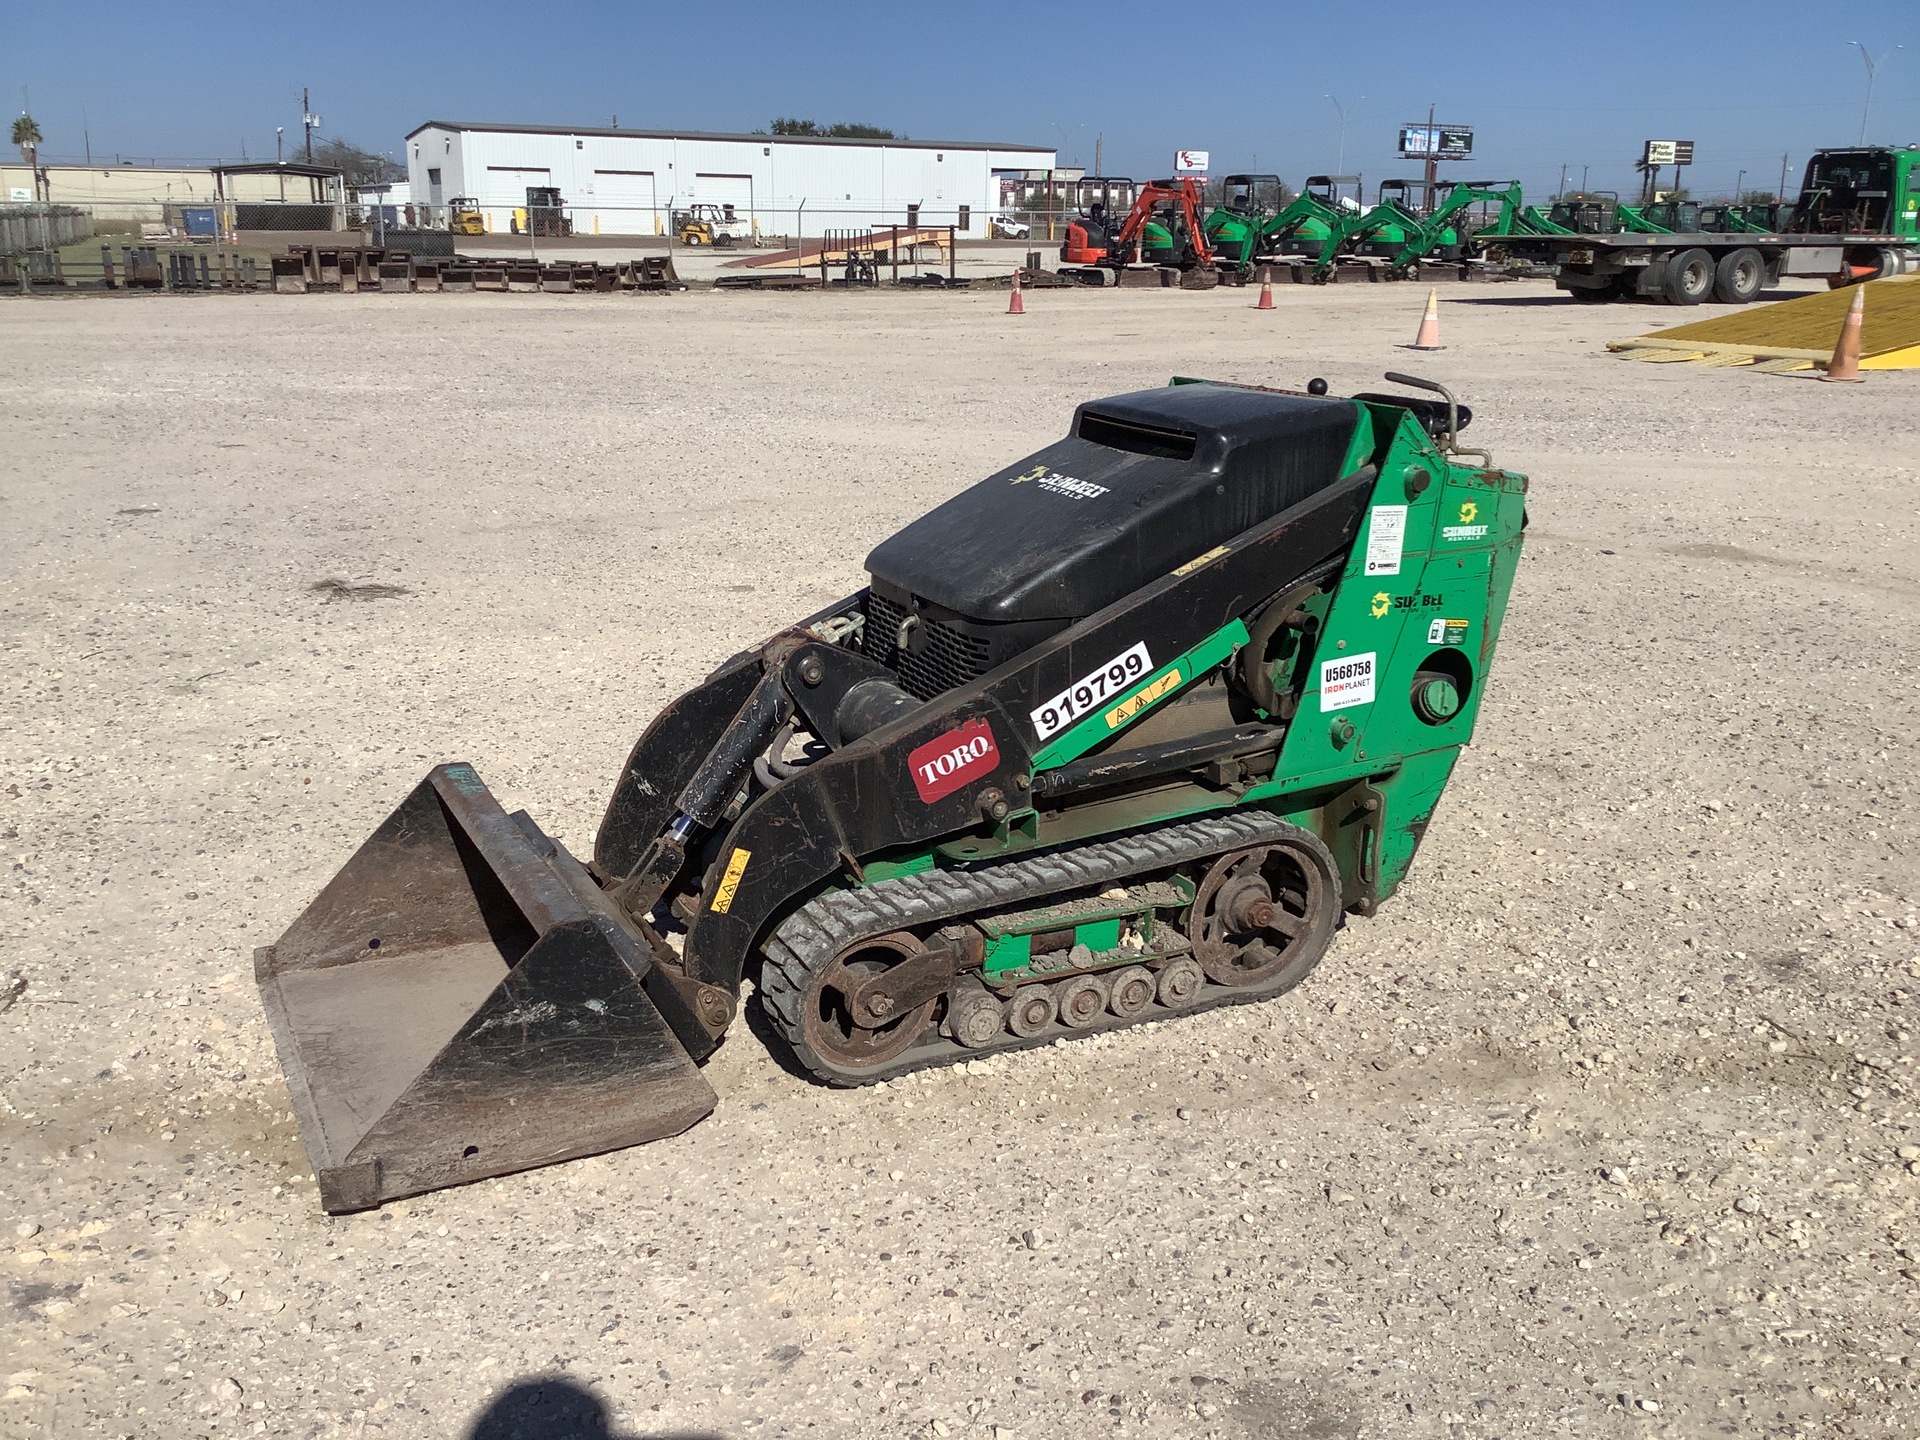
461 1002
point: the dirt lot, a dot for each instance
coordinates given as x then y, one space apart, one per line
1603 1127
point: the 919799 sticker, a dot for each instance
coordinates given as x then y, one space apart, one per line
1091 691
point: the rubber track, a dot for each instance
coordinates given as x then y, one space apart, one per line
809 938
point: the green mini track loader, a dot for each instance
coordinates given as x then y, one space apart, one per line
1124 732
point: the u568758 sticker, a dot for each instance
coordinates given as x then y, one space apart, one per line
1091 691
1345 681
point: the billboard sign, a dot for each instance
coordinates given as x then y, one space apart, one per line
1190 162
1667 152
1436 142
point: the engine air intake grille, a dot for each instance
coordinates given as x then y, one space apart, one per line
949 658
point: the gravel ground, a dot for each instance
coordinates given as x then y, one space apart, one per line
1606 1125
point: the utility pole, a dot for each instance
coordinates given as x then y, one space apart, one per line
1780 195
1433 160
1563 181
309 121
1098 139
1583 178
1739 187
1340 165
1872 65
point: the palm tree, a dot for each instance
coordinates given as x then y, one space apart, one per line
26 135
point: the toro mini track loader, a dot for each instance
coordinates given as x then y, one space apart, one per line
1122 732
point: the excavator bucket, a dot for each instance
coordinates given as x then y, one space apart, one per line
461 1002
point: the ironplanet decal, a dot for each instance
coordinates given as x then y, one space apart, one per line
949 761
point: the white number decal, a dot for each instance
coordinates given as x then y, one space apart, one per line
1092 691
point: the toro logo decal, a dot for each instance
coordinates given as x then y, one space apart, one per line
949 761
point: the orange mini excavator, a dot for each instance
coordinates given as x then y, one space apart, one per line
1095 252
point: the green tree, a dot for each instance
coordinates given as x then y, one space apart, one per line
359 166
839 130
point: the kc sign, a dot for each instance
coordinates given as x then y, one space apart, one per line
1190 162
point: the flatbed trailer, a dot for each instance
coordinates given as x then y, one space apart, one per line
1857 218
1690 267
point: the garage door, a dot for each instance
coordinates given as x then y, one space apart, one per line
624 200
734 190
507 184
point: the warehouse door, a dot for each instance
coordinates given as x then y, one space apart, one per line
625 201
725 190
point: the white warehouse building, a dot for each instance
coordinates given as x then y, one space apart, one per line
628 182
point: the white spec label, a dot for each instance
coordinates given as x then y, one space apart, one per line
1386 538
1091 691
1346 681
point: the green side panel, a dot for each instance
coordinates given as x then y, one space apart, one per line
1130 704
1431 602
1365 441
1098 936
897 866
1411 795
1009 952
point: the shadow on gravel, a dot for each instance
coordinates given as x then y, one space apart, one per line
1554 299
551 1407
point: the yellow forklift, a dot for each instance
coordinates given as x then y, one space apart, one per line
464 216
709 225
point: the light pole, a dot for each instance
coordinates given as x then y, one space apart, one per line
1340 165
1739 187
1872 65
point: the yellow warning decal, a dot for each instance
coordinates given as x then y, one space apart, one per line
730 881
1157 691
1194 564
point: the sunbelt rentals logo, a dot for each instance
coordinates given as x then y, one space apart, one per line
1466 529
1060 484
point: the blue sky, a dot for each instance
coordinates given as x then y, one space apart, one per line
1541 85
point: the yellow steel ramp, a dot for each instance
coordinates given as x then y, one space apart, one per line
1795 334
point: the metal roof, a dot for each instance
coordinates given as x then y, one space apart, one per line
277 167
760 139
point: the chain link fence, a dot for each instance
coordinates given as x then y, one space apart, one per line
42 227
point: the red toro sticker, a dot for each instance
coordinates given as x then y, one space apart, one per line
945 763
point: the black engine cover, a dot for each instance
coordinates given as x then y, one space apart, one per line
1144 483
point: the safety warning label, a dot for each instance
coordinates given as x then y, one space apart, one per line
1386 538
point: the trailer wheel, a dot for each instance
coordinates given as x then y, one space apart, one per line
1738 277
1689 278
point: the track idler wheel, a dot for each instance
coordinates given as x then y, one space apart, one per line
830 1022
1130 991
1031 1010
975 1016
1081 1000
1266 912
1180 983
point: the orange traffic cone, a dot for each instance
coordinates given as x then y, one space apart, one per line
1845 364
1266 288
1015 305
1429 336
